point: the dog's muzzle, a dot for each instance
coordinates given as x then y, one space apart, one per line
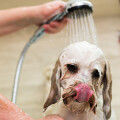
80 93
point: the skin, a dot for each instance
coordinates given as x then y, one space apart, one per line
9 111
15 19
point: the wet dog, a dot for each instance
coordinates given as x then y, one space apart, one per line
83 73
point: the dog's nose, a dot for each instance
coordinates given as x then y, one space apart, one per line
84 93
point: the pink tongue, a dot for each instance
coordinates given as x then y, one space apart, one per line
84 92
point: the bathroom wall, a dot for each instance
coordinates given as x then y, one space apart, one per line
101 7
106 7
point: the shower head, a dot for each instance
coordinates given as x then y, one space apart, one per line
74 5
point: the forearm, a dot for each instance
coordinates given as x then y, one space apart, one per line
15 19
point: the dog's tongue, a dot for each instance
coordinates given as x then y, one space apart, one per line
84 92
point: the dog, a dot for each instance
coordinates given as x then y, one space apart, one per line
83 73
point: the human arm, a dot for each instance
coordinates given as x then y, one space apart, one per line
15 19
9 111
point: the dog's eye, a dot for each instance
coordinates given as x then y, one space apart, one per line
72 68
95 74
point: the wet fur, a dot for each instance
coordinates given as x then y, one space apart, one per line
103 90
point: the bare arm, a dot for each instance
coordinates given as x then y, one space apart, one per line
14 19
17 18
9 111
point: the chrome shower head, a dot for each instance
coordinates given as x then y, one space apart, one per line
74 5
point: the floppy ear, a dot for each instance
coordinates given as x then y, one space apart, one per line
107 91
55 91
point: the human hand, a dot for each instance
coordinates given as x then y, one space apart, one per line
45 12
55 26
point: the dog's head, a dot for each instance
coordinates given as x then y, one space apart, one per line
84 74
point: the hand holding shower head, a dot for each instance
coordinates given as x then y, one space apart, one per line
71 6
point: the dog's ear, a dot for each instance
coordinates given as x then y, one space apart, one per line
55 91
107 91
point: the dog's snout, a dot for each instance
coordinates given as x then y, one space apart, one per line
79 94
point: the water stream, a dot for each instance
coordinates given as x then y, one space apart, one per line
81 27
